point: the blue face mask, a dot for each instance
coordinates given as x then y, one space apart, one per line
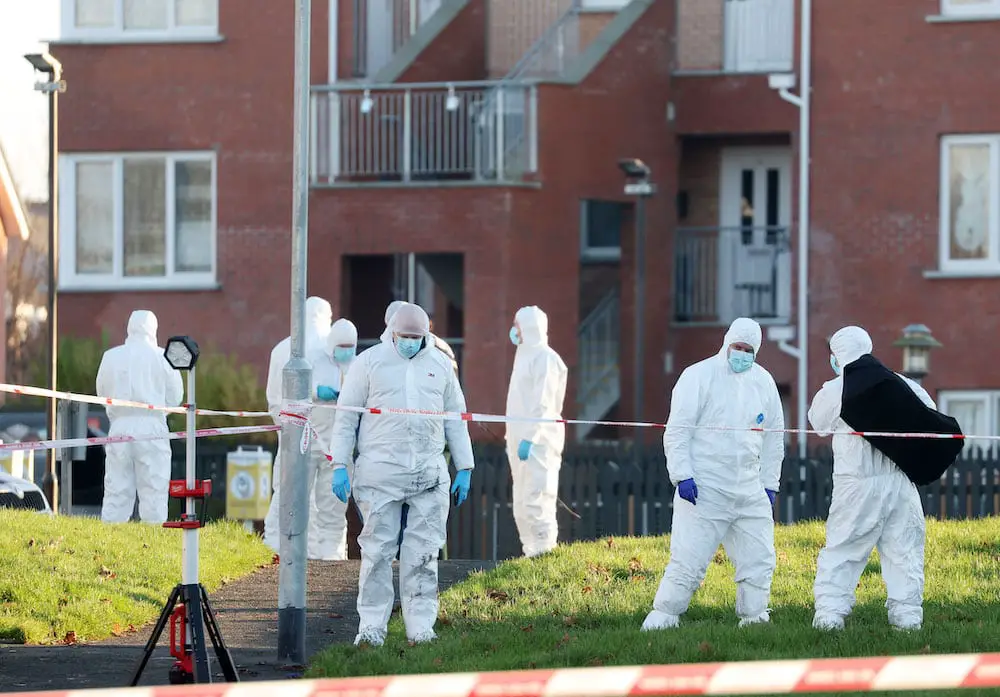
344 354
408 348
513 336
740 361
834 364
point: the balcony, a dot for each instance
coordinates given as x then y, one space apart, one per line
735 36
418 133
724 273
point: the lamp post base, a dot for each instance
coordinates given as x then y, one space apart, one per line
189 604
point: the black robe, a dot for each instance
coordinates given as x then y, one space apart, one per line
876 399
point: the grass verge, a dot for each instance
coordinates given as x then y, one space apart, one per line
583 606
68 579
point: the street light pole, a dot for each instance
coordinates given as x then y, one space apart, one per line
296 377
45 63
637 184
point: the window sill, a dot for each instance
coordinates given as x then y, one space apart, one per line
605 8
165 287
126 40
938 274
951 19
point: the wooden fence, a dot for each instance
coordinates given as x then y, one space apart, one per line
607 490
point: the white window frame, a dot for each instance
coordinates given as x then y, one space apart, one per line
972 266
603 5
989 399
595 254
988 8
119 34
70 280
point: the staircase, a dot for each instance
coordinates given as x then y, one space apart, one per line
599 387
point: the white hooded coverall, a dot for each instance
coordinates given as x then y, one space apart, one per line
537 390
874 505
318 318
731 469
401 460
328 514
138 371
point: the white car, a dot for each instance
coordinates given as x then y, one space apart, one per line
22 495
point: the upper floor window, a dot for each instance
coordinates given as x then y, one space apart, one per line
140 20
137 221
970 8
970 203
601 230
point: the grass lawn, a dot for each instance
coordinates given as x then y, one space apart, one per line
583 606
76 579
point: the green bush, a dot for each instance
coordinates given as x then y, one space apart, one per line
223 383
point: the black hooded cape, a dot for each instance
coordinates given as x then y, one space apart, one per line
876 399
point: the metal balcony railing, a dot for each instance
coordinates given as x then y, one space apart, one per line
413 132
735 36
724 273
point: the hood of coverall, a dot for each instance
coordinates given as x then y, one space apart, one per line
319 315
142 326
534 324
849 344
742 330
390 312
343 331
410 319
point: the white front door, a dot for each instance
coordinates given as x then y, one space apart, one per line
754 240
759 35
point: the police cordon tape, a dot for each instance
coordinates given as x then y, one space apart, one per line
869 674
105 440
302 411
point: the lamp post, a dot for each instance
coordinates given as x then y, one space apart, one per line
638 184
188 610
45 63
917 343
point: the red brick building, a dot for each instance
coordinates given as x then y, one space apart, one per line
464 154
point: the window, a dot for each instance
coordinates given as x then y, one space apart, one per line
970 8
601 230
604 5
970 196
977 412
140 20
137 221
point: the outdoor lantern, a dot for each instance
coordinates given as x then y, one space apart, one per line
917 343
181 352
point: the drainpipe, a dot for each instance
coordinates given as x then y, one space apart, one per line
803 102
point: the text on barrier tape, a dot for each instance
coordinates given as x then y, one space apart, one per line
78 442
471 416
868 674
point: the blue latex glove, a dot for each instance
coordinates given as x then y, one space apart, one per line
327 394
771 495
523 450
341 484
688 491
460 488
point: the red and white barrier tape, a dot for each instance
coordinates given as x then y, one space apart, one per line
293 409
947 671
78 442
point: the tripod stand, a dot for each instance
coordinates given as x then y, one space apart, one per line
188 611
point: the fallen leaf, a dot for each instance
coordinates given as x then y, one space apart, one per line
31 542
437 661
611 542
569 621
720 557
70 638
529 628
116 630
704 648
444 621
497 596
595 662
276 559
587 589
106 572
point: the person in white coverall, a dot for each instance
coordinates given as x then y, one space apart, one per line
328 515
401 460
318 318
874 505
726 480
537 390
137 371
